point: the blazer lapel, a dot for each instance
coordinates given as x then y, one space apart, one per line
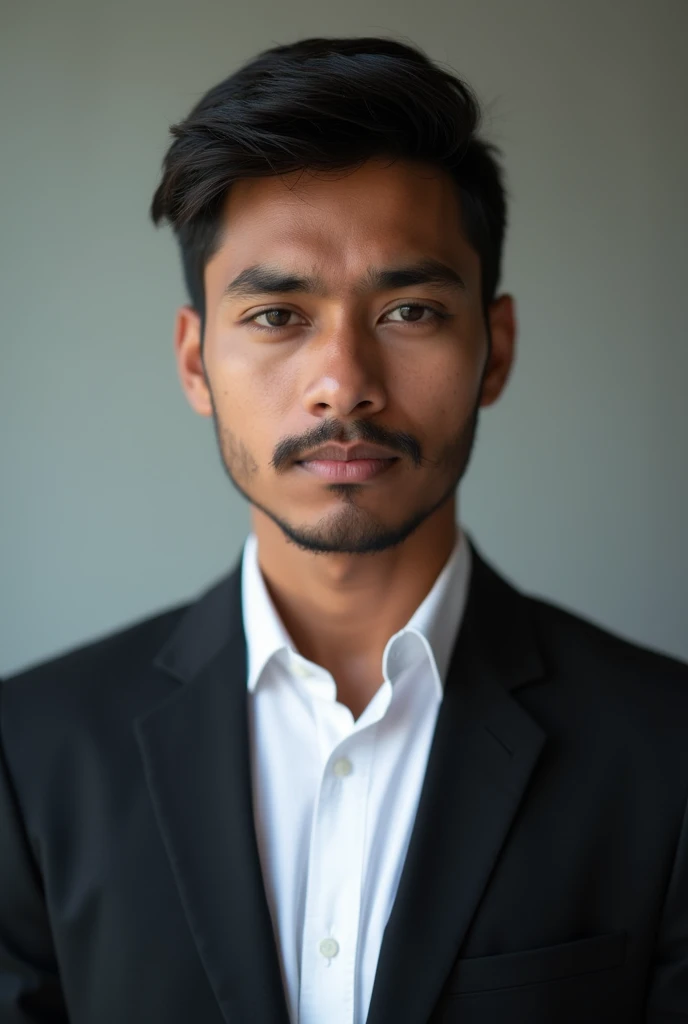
195 752
484 751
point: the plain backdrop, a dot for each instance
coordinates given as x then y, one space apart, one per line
114 502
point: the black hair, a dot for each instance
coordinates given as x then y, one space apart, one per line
328 104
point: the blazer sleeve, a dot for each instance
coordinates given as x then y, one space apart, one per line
667 1001
30 989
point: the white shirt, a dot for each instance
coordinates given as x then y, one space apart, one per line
335 799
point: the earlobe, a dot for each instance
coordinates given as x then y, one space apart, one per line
502 318
187 347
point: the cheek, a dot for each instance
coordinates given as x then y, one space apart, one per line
253 403
441 393
257 376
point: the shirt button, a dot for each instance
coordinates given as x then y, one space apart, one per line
342 767
329 947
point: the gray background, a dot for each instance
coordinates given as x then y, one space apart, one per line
114 502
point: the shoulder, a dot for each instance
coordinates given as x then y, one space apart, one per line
96 689
610 701
612 689
570 646
579 642
112 668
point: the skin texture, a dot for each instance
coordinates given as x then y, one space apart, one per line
346 564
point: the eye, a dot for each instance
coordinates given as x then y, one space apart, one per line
276 318
412 313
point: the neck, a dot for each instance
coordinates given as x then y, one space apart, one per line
341 609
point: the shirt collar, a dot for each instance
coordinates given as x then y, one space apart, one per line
264 629
431 630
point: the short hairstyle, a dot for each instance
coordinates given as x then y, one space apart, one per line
328 104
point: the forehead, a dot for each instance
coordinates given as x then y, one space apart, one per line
341 223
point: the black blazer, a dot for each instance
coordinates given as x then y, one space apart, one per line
546 879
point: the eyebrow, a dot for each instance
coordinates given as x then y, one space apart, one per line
264 279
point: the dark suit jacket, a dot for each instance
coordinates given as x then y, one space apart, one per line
546 880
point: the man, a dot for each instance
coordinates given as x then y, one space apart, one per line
362 777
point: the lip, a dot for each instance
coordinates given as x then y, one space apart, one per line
346 453
351 471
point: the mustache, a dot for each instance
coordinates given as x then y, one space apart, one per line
289 449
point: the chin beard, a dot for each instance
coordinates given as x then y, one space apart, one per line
351 529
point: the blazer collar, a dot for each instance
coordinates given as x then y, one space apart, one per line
195 751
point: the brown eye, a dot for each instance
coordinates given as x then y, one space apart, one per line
275 317
416 312
413 313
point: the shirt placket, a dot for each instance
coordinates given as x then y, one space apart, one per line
335 875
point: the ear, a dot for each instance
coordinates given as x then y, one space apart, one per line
502 320
187 348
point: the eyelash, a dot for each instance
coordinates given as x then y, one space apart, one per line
436 316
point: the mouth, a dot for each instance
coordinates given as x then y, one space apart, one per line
351 471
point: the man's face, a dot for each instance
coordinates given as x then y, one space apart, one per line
318 342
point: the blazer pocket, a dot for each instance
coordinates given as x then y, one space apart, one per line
532 966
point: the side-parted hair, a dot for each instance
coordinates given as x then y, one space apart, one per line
328 104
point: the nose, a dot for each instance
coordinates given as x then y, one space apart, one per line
344 375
